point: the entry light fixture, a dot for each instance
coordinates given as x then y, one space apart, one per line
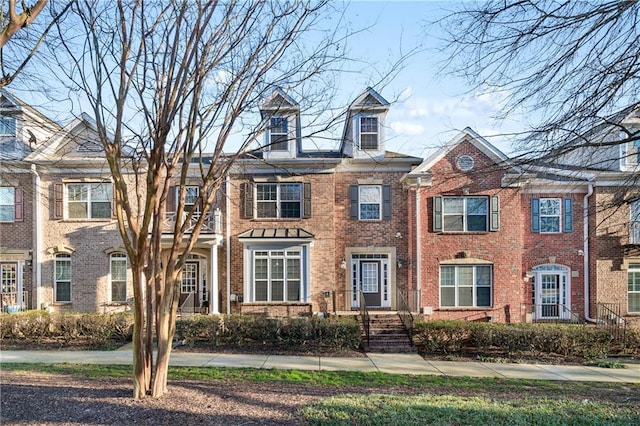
343 264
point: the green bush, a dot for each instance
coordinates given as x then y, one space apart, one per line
458 337
90 329
236 331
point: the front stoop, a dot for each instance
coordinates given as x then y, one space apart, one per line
387 334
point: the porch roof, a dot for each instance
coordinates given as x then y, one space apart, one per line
271 233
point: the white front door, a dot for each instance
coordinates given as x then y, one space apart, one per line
551 292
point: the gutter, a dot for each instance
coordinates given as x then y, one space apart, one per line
585 228
418 250
37 243
228 237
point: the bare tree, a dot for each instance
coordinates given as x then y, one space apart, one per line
168 81
574 64
15 56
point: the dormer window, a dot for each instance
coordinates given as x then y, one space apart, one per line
631 153
7 126
279 134
369 133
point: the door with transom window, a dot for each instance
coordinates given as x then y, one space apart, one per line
551 292
370 274
190 287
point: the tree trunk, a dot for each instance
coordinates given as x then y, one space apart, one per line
141 369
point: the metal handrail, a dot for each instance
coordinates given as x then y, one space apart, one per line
609 318
560 314
405 313
364 314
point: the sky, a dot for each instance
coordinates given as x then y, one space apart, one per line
428 107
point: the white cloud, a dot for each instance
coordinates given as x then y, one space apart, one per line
407 128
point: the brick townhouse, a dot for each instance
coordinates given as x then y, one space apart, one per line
508 243
464 234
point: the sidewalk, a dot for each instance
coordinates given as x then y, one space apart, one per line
386 363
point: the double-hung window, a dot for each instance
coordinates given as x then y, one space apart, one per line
7 126
191 197
634 223
551 215
277 275
279 134
62 278
370 202
466 213
369 133
89 200
118 277
279 200
10 204
466 286
633 295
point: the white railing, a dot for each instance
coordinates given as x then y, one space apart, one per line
211 225
634 233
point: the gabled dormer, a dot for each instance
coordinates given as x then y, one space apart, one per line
282 133
22 128
363 135
630 150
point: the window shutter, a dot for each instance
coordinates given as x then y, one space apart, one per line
437 213
356 130
353 196
171 200
246 195
535 215
306 200
19 205
568 215
113 202
386 201
494 221
57 201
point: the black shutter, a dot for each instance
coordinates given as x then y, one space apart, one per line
57 201
568 215
437 213
535 215
306 200
353 196
246 195
494 221
171 199
18 205
386 201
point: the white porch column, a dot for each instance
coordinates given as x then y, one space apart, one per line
214 291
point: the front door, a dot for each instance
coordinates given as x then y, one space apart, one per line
549 296
551 292
189 300
9 277
370 282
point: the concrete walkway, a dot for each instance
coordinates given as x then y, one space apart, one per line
386 363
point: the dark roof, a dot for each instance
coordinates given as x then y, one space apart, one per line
276 233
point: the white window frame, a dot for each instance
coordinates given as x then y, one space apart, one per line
89 201
62 258
191 198
276 131
362 212
278 201
6 205
363 133
465 213
268 257
456 285
5 126
557 215
189 282
633 287
113 259
634 222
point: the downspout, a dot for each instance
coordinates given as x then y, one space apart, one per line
585 230
37 244
418 251
228 244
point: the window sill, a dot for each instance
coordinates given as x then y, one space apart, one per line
465 232
61 303
464 308
86 220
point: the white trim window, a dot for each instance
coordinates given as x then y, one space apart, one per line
633 288
277 275
279 200
550 213
62 278
634 222
370 202
468 286
89 200
7 126
369 133
190 198
465 214
118 277
7 204
279 134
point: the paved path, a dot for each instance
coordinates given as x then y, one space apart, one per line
386 363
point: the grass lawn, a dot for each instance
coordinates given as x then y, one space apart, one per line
357 398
